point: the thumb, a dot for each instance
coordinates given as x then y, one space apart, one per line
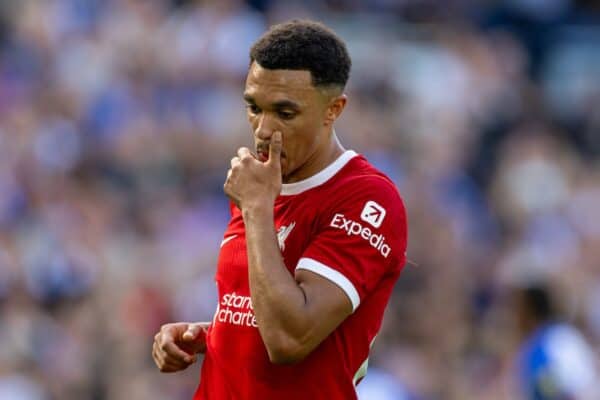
275 149
192 332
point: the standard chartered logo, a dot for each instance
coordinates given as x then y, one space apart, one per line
376 241
236 310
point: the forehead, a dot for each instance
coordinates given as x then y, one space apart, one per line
277 84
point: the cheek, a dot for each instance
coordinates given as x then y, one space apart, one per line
251 120
284 167
287 156
298 143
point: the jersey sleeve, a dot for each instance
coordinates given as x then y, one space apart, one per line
361 237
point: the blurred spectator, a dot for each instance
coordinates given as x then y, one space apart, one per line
555 361
378 385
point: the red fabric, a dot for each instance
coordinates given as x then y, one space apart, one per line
236 365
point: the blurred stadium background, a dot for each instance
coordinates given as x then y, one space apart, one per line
117 122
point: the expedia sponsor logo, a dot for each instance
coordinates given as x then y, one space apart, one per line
354 228
373 213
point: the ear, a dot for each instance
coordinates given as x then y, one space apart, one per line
334 109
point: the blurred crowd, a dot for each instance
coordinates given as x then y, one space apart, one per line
117 122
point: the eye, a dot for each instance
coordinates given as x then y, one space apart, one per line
253 108
286 114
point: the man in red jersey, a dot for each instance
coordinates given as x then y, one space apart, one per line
316 241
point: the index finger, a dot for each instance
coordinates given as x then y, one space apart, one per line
173 351
275 148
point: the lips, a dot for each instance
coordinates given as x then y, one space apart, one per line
262 153
262 156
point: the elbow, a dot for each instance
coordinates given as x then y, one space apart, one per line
286 351
285 356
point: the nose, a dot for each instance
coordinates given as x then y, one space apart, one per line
265 127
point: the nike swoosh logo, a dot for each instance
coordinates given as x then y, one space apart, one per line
227 239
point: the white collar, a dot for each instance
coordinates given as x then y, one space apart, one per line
289 189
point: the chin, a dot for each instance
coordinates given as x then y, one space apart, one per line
287 173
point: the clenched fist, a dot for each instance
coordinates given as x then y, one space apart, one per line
252 182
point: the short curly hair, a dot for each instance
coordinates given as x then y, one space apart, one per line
304 45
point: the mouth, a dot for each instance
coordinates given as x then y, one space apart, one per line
262 156
262 153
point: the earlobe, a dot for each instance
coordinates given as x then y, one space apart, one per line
330 118
335 109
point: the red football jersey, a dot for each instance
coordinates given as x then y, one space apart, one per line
346 223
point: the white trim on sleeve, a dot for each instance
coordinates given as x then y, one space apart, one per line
334 276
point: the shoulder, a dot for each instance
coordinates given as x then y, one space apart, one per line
360 182
571 359
364 202
565 339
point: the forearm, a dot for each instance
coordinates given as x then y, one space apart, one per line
279 302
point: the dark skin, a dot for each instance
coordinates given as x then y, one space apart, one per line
286 101
292 121
175 346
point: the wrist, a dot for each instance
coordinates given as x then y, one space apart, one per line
259 211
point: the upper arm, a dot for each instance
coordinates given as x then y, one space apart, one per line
327 306
361 239
348 257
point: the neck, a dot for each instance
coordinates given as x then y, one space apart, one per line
317 161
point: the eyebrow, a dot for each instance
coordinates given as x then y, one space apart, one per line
277 104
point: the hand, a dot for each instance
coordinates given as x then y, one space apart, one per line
252 183
176 345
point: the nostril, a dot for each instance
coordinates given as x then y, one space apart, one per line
262 134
